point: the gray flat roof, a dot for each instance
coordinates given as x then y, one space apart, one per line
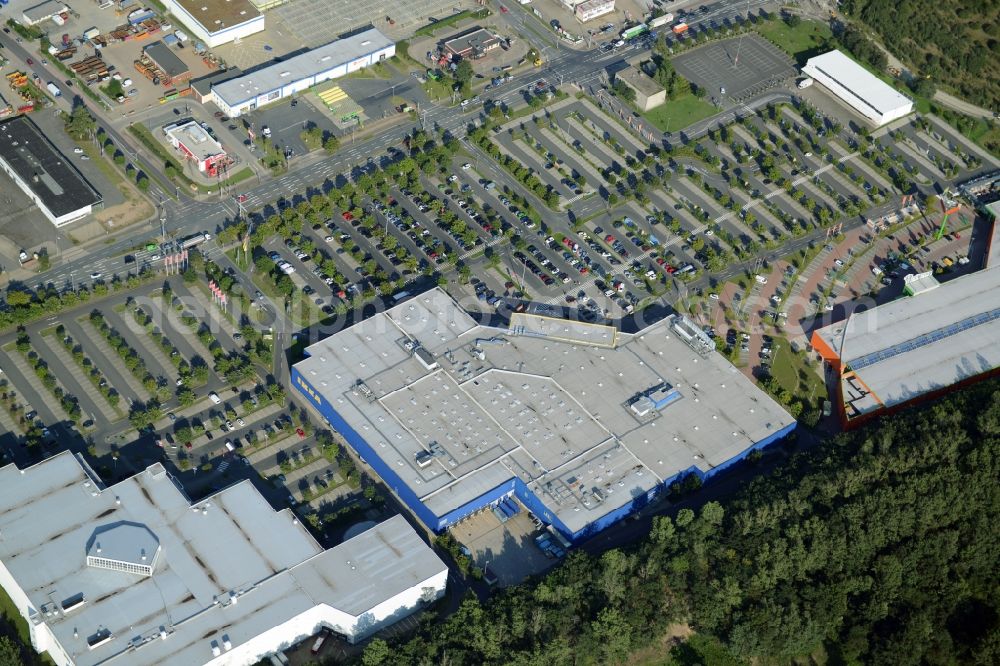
296 68
165 59
203 85
216 15
230 543
125 542
544 404
925 342
44 10
40 165
640 81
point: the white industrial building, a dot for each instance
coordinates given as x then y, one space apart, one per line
217 22
860 89
283 79
592 9
49 178
42 12
137 574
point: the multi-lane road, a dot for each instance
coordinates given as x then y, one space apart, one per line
184 215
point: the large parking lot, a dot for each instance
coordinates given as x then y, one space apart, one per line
740 67
163 373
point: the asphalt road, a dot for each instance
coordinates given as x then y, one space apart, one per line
184 215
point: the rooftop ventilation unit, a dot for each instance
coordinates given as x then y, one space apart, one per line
689 333
360 388
417 351
654 399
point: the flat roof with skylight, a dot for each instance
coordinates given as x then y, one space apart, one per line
585 417
47 176
217 14
302 67
917 344
135 573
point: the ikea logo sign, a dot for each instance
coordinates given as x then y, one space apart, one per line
308 390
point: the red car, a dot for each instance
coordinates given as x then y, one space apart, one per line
301 433
30 61
347 216
609 238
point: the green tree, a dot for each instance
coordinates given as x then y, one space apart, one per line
376 653
624 91
80 124
463 75
10 654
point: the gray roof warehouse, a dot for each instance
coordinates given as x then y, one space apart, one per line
44 174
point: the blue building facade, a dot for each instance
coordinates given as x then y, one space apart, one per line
513 487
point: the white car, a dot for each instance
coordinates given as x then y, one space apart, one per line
452 178
466 166
78 151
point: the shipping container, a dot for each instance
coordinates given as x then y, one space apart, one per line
663 19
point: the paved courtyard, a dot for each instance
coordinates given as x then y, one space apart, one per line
508 549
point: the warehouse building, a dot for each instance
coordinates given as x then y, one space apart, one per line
197 145
136 573
867 94
201 88
175 68
578 422
217 22
473 44
43 12
939 337
301 72
648 93
44 174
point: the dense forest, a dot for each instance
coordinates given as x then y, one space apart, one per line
879 546
955 42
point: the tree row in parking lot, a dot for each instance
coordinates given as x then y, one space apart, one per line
875 547
24 304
